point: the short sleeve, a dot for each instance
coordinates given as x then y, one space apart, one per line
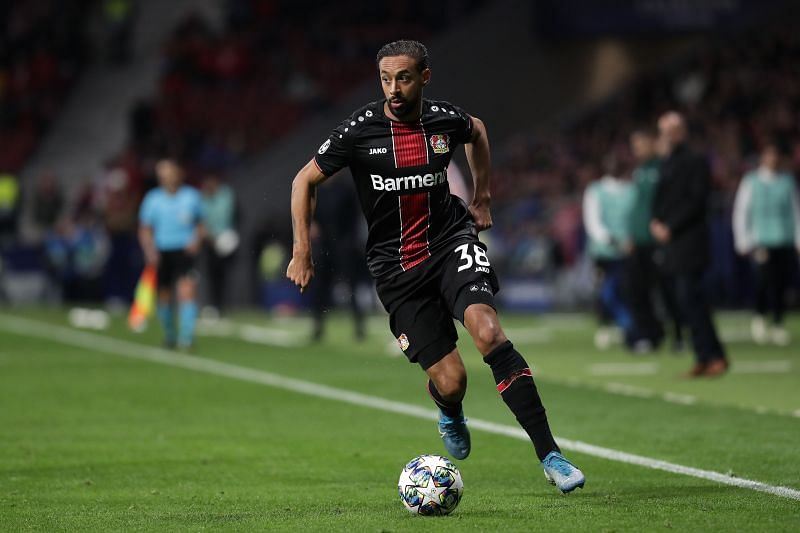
334 154
146 211
463 124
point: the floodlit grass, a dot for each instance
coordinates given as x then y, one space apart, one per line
94 441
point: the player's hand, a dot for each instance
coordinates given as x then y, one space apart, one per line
193 248
481 216
660 231
300 270
152 257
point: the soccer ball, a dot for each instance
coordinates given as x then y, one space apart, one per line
430 485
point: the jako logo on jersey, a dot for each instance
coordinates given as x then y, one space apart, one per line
402 340
404 183
324 147
373 151
440 143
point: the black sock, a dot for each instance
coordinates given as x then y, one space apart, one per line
448 408
515 384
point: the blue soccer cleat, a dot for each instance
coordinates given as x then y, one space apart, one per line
562 473
455 435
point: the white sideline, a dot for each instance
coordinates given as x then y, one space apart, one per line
133 350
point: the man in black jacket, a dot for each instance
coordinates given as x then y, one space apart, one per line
679 226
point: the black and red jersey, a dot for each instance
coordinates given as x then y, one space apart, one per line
400 172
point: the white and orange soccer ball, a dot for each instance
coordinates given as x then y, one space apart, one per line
430 485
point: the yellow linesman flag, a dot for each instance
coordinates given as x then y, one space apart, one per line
144 300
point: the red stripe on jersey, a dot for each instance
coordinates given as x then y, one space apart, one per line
415 214
408 143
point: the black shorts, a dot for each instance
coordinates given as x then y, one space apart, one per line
174 264
423 301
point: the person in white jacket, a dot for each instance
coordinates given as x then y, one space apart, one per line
766 227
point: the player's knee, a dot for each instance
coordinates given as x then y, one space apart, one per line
453 386
186 289
489 335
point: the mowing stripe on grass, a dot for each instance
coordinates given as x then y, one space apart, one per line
101 343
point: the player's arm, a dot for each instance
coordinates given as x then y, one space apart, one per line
304 199
479 159
193 248
148 244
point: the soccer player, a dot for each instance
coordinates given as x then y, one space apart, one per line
422 244
171 232
766 227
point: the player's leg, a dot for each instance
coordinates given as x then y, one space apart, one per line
781 259
447 384
515 383
164 306
758 325
187 309
166 316
512 375
425 332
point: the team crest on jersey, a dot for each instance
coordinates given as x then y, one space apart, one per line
440 143
324 147
402 340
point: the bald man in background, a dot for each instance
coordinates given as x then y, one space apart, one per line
679 226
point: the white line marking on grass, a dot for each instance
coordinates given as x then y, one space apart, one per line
250 333
762 367
627 390
624 389
684 399
133 350
624 369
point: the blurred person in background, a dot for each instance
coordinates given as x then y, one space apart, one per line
679 225
171 231
607 206
766 227
118 199
642 276
118 18
76 251
219 206
337 250
9 207
48 201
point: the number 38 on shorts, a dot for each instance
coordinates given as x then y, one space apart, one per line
472 254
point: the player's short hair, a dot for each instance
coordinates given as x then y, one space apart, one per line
413 49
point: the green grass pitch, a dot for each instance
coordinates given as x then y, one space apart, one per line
92 441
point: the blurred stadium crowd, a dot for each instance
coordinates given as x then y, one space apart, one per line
227 93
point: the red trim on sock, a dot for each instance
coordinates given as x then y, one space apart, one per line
506 383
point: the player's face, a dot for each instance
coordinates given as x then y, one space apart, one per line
770 158
643 146
170 174
402 84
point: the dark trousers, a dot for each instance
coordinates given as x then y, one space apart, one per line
773 271
690 295
611 305
217 269
642 279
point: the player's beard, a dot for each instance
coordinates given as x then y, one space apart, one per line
404 111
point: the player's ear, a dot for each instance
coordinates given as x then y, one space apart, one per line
426 76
